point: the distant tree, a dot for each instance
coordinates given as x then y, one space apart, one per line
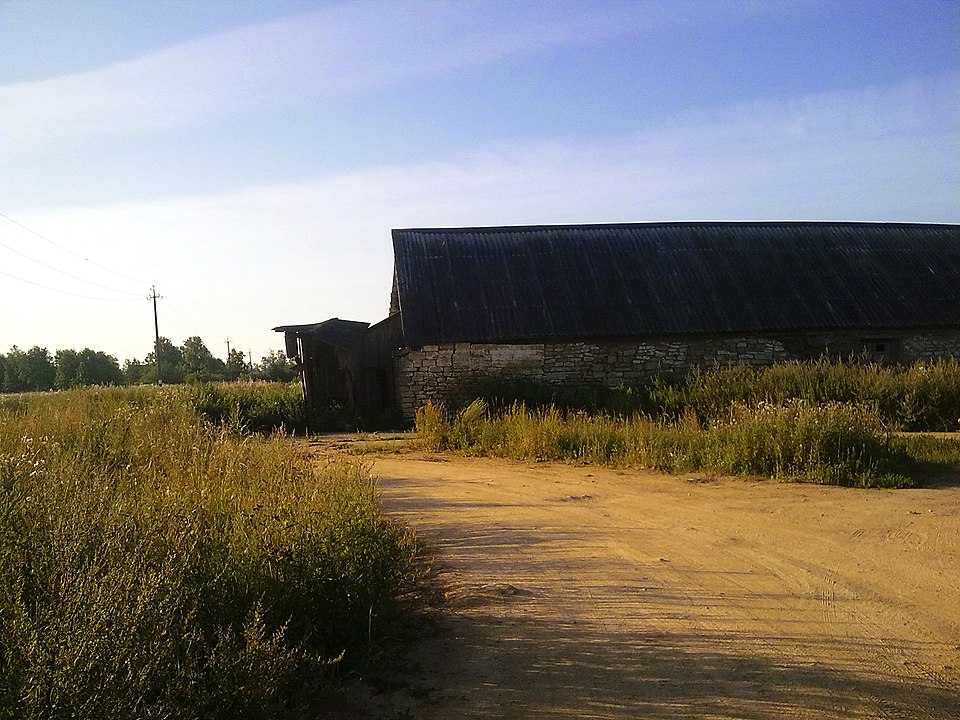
134 371
68 369
86 367
1 372
171 364
275 366
28 371
101 368
236 366
199 364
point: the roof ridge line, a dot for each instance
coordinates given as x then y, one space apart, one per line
670 223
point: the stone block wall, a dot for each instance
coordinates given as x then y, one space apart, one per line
444 373
929 346
448 372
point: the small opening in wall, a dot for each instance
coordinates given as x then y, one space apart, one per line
880 349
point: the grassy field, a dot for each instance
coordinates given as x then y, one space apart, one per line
821 422
154 564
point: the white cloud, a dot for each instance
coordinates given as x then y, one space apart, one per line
343 48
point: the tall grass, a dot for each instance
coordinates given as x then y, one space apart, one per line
919 397
261 407
154 565
265 407
833 443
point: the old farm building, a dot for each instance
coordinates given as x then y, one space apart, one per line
611 305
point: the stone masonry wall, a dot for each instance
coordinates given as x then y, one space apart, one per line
930 346
443 373
446 373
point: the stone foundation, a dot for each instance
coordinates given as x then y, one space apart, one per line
447 373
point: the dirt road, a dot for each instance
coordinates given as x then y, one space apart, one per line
584 592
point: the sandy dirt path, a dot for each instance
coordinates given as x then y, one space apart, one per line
585 592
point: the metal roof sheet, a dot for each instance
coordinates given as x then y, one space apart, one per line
575 281
344 334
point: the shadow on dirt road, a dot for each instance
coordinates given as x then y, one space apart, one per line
579 592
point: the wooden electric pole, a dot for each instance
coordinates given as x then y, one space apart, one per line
156 332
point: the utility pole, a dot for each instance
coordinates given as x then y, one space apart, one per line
228 349
156 331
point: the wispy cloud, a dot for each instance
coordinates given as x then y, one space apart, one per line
345 48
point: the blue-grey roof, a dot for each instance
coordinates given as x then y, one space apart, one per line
653 279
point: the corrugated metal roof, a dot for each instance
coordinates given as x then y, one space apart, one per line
570 281
344 334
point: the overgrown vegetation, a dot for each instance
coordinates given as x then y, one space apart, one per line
821 422
156 565
258 407
920 397
261 407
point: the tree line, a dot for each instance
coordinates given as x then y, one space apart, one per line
36 369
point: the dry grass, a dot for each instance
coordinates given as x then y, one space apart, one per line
155 565
833 443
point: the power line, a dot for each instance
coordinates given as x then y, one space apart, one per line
173 319
67 292
68 250
64 272
183 317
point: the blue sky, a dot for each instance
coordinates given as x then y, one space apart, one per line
250 158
